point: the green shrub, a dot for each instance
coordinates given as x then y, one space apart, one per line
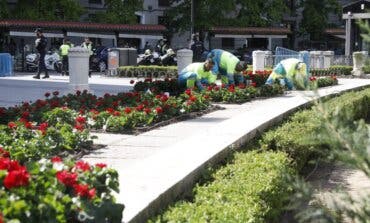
147 71
340 70
251 189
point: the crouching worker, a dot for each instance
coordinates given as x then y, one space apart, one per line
196 74
228 66
290 72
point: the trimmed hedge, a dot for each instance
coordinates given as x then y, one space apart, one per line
333 70
251 189
147 71
295 136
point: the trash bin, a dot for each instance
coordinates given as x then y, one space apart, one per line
123 56
6 65
132 57
113 61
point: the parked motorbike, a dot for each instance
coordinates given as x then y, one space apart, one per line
52 62
149 58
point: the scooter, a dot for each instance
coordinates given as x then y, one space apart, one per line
52 62
149 58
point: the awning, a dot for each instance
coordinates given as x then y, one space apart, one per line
91 35
157 37
32 34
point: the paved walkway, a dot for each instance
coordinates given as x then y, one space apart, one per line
157 166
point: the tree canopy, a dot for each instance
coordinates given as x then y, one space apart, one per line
315 16
66 10
209 13
120 11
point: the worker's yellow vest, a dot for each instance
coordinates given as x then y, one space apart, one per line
64 49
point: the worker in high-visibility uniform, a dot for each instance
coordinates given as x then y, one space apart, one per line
87 44
228 66
196 74
290 72
64 54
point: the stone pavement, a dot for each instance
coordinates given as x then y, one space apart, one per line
160 165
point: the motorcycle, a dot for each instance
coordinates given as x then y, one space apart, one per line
52 62
149 58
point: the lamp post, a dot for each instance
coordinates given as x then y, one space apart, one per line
348 34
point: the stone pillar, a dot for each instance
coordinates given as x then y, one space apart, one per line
269 59
358 62
315 59
78 59
328 58
258 60
348 44
320 59
184 58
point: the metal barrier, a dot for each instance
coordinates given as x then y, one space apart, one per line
282 53
6 65
343 60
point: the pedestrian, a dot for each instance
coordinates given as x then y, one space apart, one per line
290 72
228 66
196 74
87 44
197 47
40 43
63 50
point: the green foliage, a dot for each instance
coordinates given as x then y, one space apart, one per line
212 13
65 10
250 189
147 71
119 11
45 197
270 90
315 16
297 136
4 10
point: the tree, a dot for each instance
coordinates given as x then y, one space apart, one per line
237 13
66 10
315 16
4 11
120 11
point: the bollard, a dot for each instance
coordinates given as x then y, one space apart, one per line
78 59
258 60
358 63
328 58
184 58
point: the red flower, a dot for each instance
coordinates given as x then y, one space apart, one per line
12 125
1 218
25 114
16 178
109 110
28 125
56 159
128 110
4 163
159 110
101 165
140 107
79 127
47 94
82 190
209 88
116 113
56 93
81 165
67 178
241 85
106 95
164 98
253 84
147 110
193 98
312 78
43 127
4 153
78 92
132 81
188 92
81 120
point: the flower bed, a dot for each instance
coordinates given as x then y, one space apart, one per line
336 70
148 71
53 190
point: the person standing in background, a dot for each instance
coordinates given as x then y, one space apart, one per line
63 49
87 44
41 42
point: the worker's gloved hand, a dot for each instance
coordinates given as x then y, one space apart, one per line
199 85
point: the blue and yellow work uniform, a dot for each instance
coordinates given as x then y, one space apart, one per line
194 74
64 54
290 72
224 64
